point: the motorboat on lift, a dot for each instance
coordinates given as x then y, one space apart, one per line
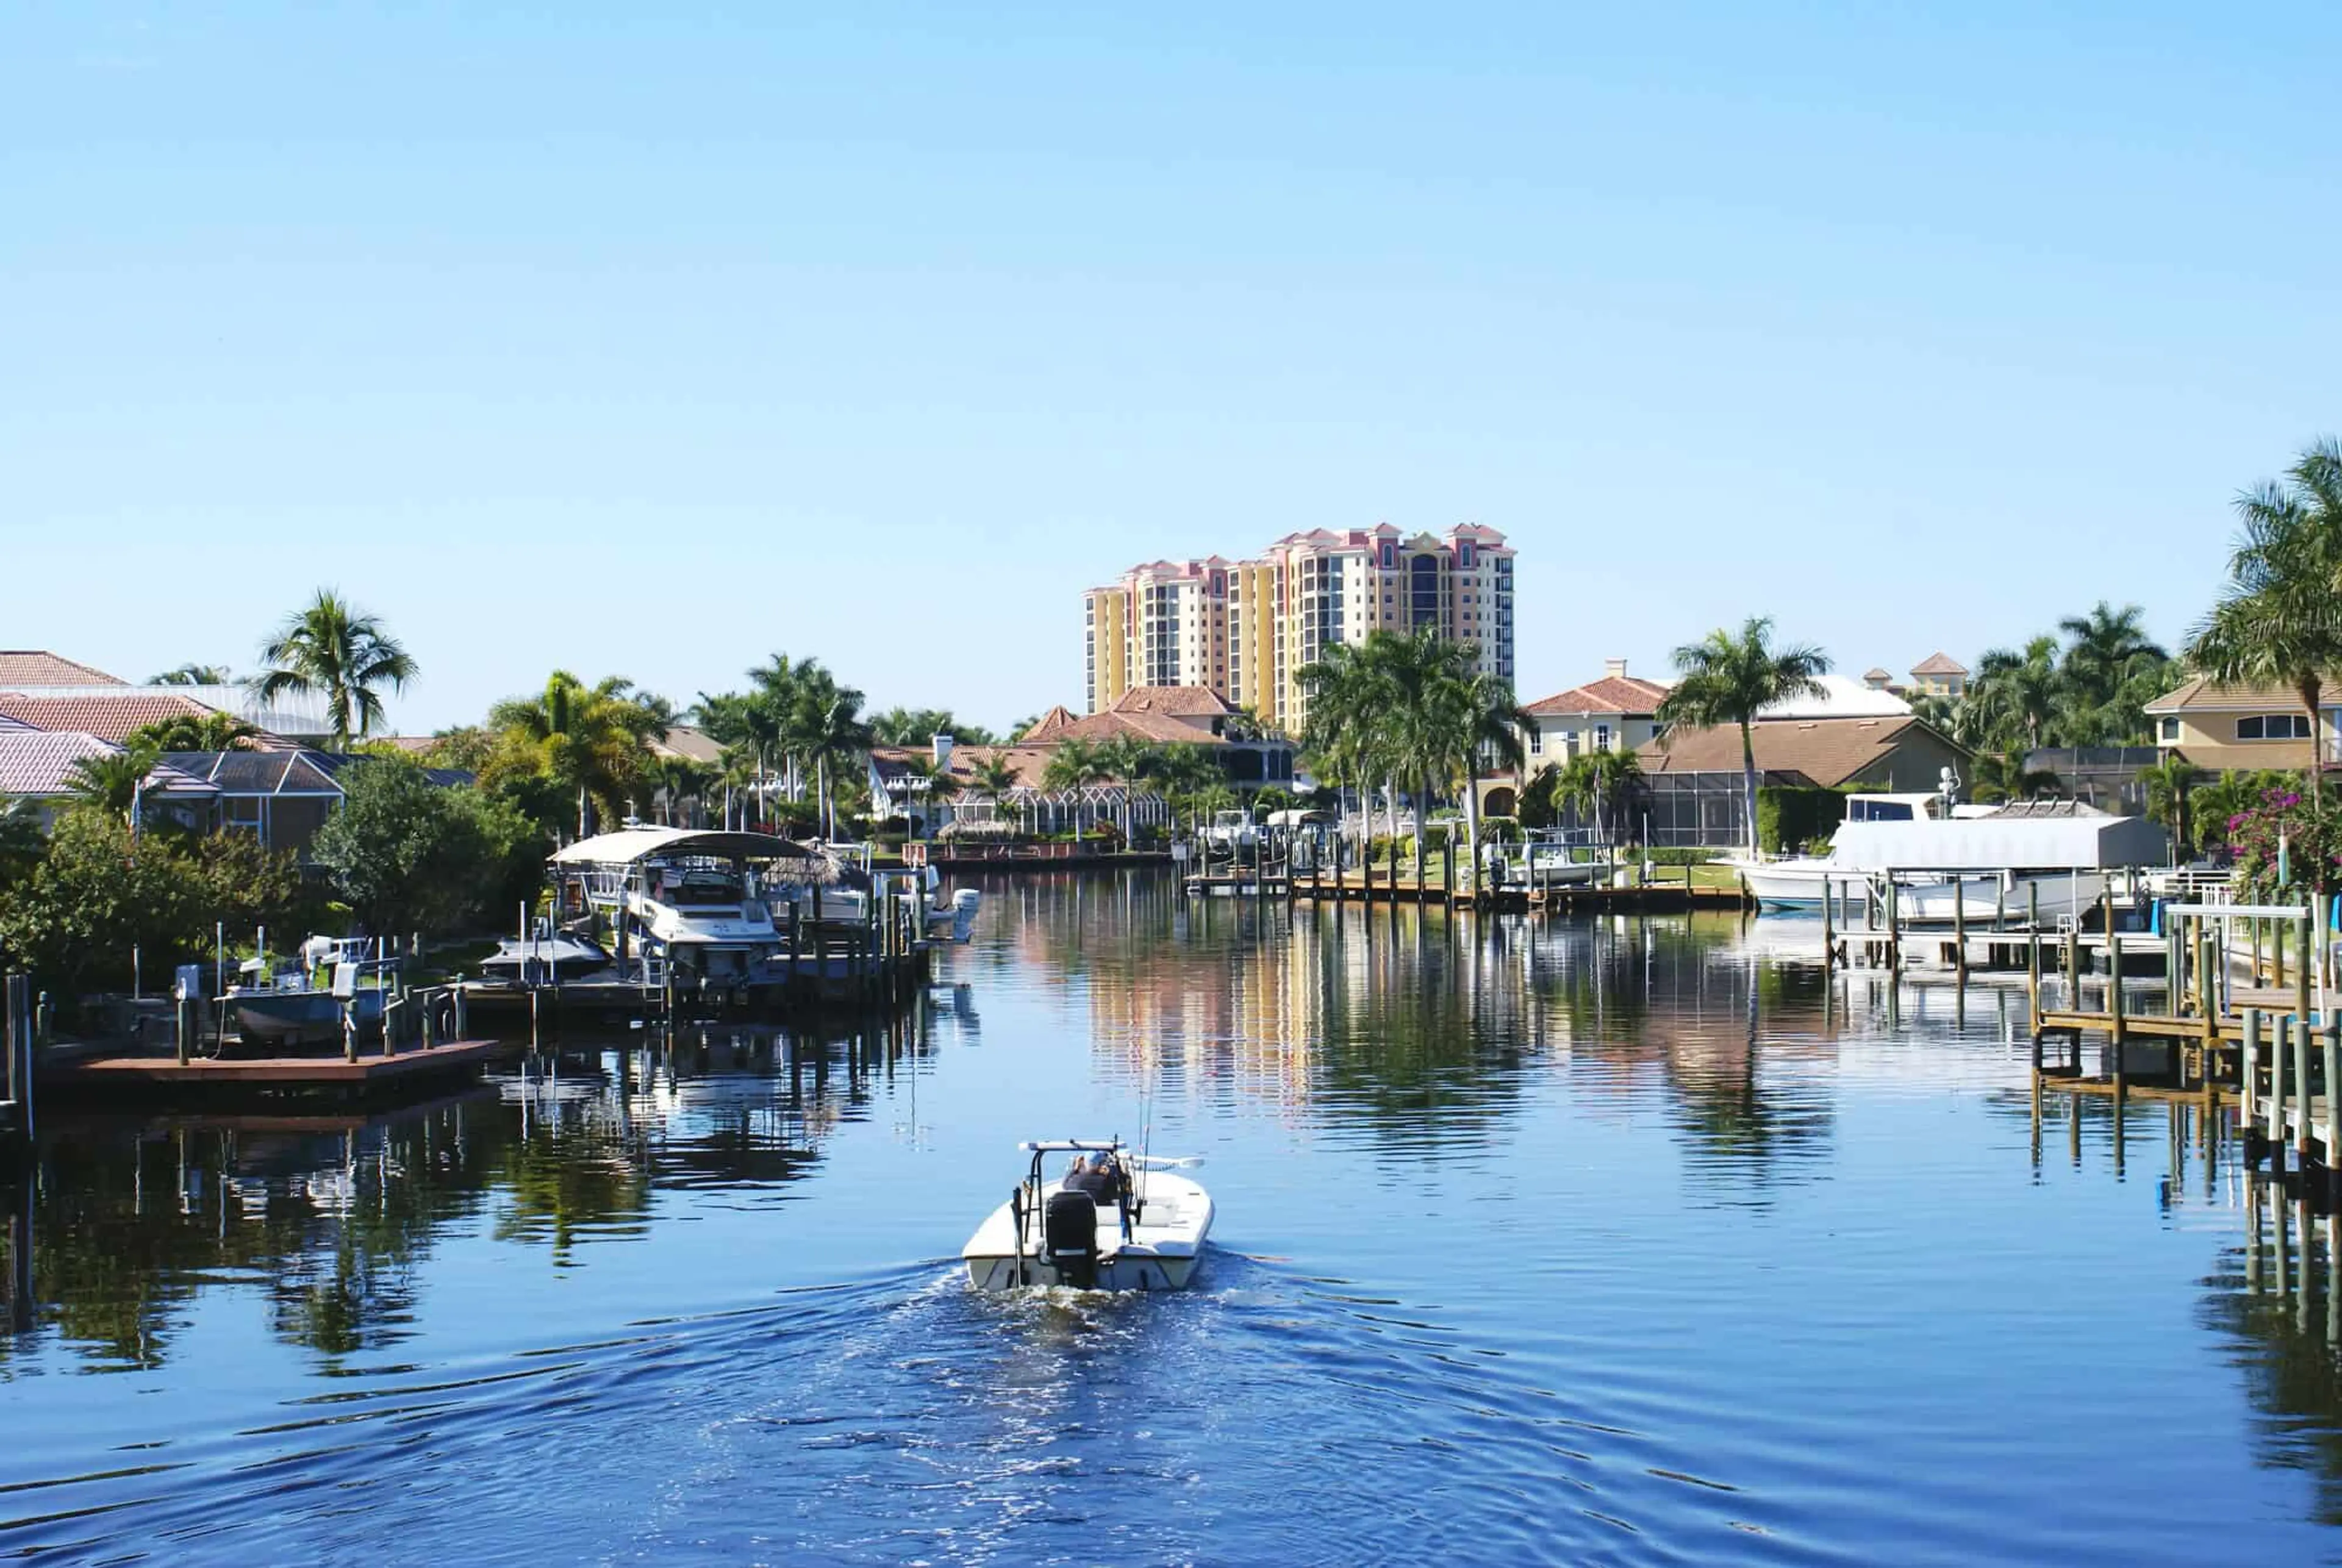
696 900
2052 857
844 896
545 957
307 1001
1123 1223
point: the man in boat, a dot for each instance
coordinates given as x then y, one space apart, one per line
1097 1177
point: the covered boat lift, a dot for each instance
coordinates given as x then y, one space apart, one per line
2031 837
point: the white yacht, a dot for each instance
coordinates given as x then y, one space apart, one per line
693 898
1116 1221
2050 857
843 895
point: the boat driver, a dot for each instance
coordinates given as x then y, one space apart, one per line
1097 1177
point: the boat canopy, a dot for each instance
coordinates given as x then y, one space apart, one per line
633 844
2005 841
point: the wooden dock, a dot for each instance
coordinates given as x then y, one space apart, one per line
149 1075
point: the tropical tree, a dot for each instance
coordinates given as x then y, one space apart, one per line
2170 785
24 834
669 781
112 779
1998 776
900 726
1189 774
331 650
2278 622
208 731
2106 652
994 776
1347 730
1130 759
193 676
931 778
1074 767
1729 679
592 741
1473 715
1597 786
825 724
2017 696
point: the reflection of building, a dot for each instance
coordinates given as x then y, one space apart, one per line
1246 629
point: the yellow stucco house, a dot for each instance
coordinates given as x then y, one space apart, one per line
2223 727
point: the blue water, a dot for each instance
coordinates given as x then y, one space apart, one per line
1570 1241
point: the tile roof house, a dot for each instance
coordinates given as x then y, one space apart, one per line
1878 752
21 667
39 765
1615 713
110 715
2217 725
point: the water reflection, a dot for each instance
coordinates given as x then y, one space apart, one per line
130 1220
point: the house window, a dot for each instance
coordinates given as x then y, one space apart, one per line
1602 737
2167 731
1536 741
2274 728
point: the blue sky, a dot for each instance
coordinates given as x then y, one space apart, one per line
654 339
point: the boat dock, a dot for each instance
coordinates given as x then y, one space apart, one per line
1603 888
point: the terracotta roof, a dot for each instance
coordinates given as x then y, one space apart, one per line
34 667
2207 695
1029 762
108 715
1177 702
1620 694
1147 727
413 746
1877 674
1049 724
1828 752
1939 665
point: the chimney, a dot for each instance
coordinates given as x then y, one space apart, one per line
942 746
1614 669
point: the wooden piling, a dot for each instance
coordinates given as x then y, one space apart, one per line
1959 926
2273 1119
2331 1040
2301 1122
2249 1066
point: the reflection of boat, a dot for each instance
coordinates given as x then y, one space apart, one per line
1137 1226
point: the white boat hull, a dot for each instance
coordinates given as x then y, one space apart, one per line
1163 1251
1797 886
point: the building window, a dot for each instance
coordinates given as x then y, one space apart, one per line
1602 737
2274 728
1536 741
2167 731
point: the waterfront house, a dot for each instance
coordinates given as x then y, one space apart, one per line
1614 714
38 765
1158 715
37 675
1852 736
110 715
2222 727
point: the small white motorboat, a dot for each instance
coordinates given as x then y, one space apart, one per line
1114 1222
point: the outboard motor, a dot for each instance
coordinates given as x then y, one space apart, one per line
1069 1238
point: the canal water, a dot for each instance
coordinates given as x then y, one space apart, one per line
1568 1241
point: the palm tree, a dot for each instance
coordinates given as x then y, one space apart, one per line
825 724
331 650
112 779
993 776
1998 777
210 731
1577 786
2104 649
2279 620
1074 767
1728 680
671 780
1597 784
593 741
1346 728
2016 697
1189 774
931 778
2169 783
1472 714
1130 758
193 676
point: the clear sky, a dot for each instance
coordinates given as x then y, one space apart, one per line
651 339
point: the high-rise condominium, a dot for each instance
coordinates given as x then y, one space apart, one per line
1247 628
